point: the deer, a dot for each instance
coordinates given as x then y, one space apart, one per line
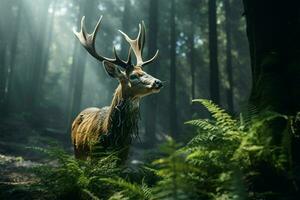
114 126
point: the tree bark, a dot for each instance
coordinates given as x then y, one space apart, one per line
151 101
3 69
39 54
12 60
70 93
228 24
79 61
172 104
274 48
126 22
47 46
192 47
273 30
213 52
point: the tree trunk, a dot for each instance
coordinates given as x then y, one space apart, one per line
3 69
45 59
13 52
228 24
213 52
274 48
79 61
172 104
70 92
39 50
151 101
192 47
273 30
3 46
126 22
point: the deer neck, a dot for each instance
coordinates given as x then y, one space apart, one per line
121 123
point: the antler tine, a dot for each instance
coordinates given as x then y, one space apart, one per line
152 59
129 56
137 45
134 46
88 42
143 37
119 61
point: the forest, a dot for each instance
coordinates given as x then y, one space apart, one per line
177 99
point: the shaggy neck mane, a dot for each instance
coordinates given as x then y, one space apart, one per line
121 123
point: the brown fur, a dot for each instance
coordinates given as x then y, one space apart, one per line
92 123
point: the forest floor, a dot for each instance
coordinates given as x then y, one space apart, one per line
16 179
17 158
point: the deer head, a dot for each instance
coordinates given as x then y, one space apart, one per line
135 82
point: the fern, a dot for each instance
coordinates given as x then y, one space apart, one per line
118 196
203 124
216 164
225 147
174 173
69 178
90 194
133 190
223 120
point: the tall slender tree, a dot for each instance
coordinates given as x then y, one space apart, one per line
126 22
172 103
78 66
151 102
228 24
191 45
213 52
13 52
3 69
46 54
38 58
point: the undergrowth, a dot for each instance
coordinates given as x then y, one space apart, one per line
220 162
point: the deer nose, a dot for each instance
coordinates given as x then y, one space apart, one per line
158 84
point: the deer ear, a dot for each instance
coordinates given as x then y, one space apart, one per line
112 69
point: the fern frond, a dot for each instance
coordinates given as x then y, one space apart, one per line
90 194
118 196
204 124
223 120
132 189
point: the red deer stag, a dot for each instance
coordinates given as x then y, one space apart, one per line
115 125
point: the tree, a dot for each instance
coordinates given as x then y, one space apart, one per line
126 22
151 102
13 53
213 52
273 29
38 60
192 45
172 103
78 66
228 24
3 70
47 46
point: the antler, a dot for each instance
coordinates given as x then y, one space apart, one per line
88 42
137 45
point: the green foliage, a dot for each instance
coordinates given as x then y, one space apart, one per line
227 150
220 162
173 172
132 190
170 169
68 178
